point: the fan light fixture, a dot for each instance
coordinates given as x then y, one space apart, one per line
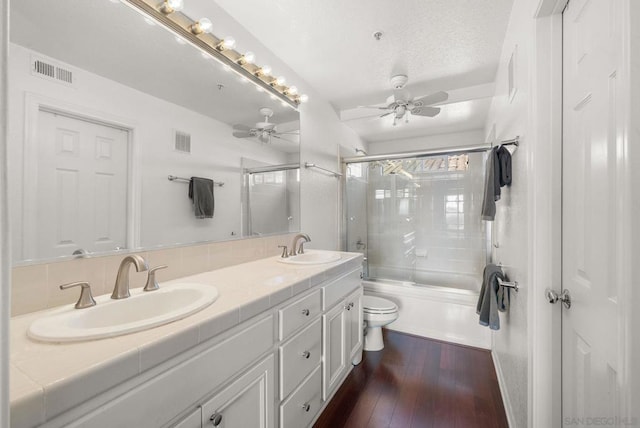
199 34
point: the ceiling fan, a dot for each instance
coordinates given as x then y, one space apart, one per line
263 131
402 105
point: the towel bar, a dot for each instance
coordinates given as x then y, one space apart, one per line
313 165
509 284
175 178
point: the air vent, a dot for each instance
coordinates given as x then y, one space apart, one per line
51 70
182 142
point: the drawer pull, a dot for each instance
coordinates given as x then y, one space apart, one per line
215 419
306 354
306 407
306 312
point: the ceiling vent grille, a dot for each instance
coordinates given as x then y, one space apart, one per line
182 142
50 70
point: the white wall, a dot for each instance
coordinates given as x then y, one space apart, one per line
322 134
456 139
5 245
166 212
510 117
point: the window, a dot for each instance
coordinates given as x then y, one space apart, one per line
454 212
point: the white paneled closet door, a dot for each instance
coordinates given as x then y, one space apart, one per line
592 236
82 186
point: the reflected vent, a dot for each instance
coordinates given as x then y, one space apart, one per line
182 142
51 71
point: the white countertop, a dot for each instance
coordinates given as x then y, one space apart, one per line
48 379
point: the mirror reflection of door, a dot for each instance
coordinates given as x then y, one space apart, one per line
81 196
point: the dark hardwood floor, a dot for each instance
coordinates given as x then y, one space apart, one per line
418 382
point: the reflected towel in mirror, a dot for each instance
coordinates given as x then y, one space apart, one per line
201 193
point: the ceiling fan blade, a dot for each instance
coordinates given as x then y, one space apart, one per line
376 107
242 134
283 139
241 128
436 98
288 133
426 111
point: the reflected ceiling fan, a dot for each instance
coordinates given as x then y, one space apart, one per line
263 131
402 105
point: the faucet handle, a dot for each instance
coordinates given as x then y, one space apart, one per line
285 254
86 298
152 282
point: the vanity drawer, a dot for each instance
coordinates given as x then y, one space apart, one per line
299 313
335 291
300 409
299 356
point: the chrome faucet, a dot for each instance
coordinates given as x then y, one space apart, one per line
121 289
296 238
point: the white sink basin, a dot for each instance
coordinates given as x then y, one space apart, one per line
141 311
312 258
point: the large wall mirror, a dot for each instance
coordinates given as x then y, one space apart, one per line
110 117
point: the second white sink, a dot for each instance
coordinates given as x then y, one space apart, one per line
141 311
312 258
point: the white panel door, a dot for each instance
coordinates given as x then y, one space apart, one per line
82 187
590 332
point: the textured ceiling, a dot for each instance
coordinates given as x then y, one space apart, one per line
439 44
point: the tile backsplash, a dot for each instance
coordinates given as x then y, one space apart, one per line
36 287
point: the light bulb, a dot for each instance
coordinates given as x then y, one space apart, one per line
304 98
204 25
170 6
248 58
281 81
229 42
265 70
292 90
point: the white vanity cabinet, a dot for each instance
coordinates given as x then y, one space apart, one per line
300 361
277 368
246 402
342 330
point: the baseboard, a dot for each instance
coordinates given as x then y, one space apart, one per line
503 388
442 336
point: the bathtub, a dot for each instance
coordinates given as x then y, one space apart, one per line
442 306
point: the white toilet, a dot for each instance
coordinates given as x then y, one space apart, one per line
377 312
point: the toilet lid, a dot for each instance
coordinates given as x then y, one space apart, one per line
377 305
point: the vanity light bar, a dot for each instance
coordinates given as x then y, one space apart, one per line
183 27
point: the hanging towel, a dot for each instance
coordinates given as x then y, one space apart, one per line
493 298
201 193
491 187
504 160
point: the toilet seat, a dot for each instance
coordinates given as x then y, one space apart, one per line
377 305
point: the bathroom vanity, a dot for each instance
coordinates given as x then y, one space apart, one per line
269 352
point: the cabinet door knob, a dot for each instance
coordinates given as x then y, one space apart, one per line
347 307
306 354
306 312
306 407
215 419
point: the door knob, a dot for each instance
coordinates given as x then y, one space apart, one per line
553 297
